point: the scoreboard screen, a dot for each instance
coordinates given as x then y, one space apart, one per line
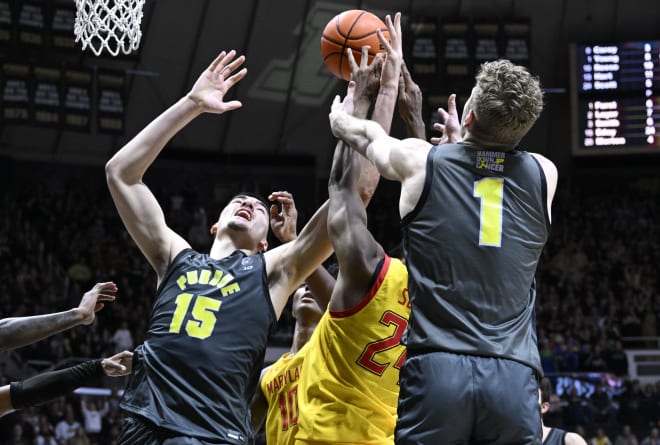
615 98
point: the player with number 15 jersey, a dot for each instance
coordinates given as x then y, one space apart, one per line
200 302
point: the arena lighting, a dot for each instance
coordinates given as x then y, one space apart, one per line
100 392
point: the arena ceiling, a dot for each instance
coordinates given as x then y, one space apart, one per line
287 91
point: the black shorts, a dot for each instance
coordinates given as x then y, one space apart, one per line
450 398
136 430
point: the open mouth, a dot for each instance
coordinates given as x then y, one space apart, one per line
308 299
245 214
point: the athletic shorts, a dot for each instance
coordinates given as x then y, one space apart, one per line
458 399
140 431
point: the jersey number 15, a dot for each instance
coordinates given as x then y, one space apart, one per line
203 315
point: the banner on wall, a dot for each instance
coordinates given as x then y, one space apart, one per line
31 20
110 100
77 96
16 92
515 41
47 98
6 23
62 20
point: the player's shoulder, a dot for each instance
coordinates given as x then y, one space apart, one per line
574 439
545 162
397 266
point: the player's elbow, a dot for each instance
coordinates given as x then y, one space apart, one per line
111 171
336 223
114 173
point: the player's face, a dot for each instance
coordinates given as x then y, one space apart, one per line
305 306
245 213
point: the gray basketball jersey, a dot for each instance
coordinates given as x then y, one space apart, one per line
472 245
555 437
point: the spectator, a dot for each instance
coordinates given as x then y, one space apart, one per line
93 416
17 437
577 411
46 433
629 411
604 413
617 361
652 439
80 438
67 428
600 438
626 437
648 404
122 338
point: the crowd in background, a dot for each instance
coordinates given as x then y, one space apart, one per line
597 286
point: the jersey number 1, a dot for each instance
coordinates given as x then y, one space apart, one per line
491 193
203 314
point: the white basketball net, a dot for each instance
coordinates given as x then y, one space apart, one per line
113 25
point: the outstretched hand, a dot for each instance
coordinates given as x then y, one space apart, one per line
394 51
366 77
212 85
92 301
118 365
283 218
451 128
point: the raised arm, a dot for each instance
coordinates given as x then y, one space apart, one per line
409 103
290 264
357 251
137 206
389 78
395 159
283 223
379 81
20 331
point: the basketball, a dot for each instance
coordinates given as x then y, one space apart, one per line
350 29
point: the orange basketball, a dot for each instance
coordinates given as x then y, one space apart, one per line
350 29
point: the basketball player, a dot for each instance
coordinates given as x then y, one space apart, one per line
280 382
195 374
350 374
275 403
475 215
276 400
554 436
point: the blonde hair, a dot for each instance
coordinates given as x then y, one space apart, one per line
506 102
